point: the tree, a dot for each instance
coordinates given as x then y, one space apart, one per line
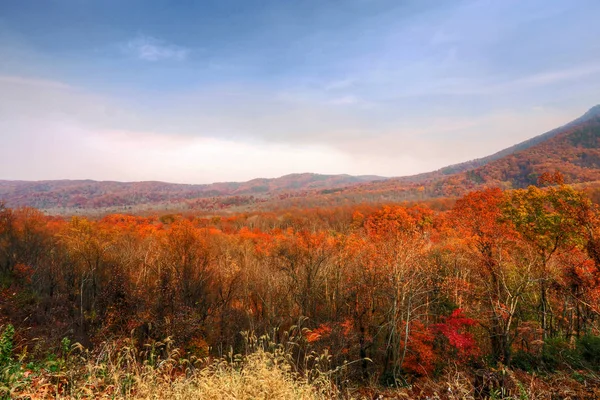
501 278
545 220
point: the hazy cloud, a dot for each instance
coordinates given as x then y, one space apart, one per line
149 48
345 100
339 84
57 131
41 83
551 77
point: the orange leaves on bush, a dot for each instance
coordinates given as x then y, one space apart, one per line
478 213
347 327
388 221
323 331
420 356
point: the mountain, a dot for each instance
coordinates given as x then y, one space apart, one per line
89 194
590 116
572 149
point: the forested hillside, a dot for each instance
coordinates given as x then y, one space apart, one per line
484 297
572 150
88 194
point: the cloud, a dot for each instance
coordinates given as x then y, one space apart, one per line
42 83
238 132
441 37
149 48
551 77
345 100
339 84
495 85
539 80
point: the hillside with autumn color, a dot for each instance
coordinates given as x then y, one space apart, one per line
88 194
573 150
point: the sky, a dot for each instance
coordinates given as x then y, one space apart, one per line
230 90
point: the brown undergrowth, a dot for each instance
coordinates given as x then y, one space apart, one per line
266 371
121 370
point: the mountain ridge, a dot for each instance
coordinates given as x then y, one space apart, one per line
295 174
478 162
88 193
573 149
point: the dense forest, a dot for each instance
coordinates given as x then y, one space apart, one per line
501 288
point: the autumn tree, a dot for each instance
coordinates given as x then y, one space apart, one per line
545 220
401 240
501 269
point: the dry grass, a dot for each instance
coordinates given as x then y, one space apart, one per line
263 375
260 376
120 371
267 370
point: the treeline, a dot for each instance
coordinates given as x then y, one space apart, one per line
503 277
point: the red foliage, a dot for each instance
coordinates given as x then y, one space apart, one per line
453 328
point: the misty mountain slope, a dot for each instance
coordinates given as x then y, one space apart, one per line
590 115
89 194
573 149
594 112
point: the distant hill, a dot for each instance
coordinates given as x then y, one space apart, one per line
572 149
89 194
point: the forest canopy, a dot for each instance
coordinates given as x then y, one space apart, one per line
392 293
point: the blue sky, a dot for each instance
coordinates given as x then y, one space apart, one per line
203 91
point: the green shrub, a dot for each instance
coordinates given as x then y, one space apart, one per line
6 346
588 350
557 352
8 367
525 361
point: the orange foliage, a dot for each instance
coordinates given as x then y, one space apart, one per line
322 332
356 274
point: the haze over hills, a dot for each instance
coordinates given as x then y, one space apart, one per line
89 194
591 114
573 149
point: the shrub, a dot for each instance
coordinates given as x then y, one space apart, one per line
8 367
525 361
556 352
588 349
6 346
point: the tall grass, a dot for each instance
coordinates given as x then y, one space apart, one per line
275 366
267 369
